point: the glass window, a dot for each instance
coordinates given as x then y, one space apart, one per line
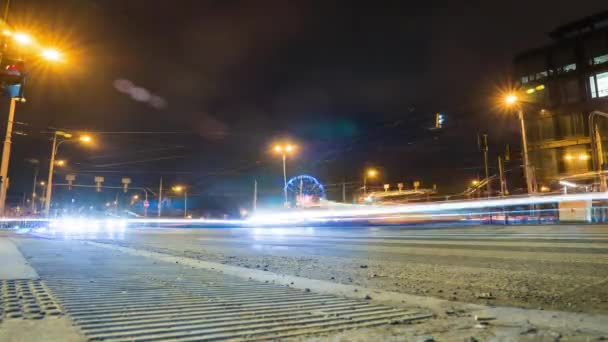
592 87
524 79
599 85
600 59
541 74
569 67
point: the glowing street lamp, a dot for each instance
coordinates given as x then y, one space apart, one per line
22 38
371 173
51 55
66 137
284 150
179 189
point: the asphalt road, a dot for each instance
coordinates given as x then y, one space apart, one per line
563 267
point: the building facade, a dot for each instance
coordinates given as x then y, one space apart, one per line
562 84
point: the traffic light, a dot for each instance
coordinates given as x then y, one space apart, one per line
439 120
12 77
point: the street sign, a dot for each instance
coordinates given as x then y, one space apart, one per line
146 204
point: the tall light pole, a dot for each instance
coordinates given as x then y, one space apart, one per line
181 188
371 173
512 100
36 164
15 71
284 150
597 148
6 154
56 144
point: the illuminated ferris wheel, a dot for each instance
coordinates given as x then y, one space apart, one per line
304 191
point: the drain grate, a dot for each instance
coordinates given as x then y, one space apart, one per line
26 298
119 297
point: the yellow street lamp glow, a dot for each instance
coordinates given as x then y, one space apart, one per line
177 188
288 148
60 162
85 138
530 91
568 157
51 55
7 33
135 197
544 188
583 157
511 99
475 182
42 183
540 87
372 173
22 38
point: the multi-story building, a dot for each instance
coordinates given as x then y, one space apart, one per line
563 83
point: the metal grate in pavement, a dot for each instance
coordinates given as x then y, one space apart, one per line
27 299
119 297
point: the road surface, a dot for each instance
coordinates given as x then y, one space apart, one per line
562 267
306 284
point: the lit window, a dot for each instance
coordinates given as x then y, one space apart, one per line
600 59
569 67
541 74
524 79
599 85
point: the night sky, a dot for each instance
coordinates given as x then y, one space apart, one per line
354 83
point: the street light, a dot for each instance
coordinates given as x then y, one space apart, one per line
371 173
66 137
284 150
511 100
178 189
52 55
22 38
60 162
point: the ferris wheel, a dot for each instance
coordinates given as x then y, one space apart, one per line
304 191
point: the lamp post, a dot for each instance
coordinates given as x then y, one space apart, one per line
512 100
597 149
371 173
284 150
56 144
52 55
181 188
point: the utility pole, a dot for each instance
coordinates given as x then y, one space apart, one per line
343 192
146 206
160 196
6 154
185 203
34 190
524 145
49 183
285 178
503 180
600 158
483 146
255 195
